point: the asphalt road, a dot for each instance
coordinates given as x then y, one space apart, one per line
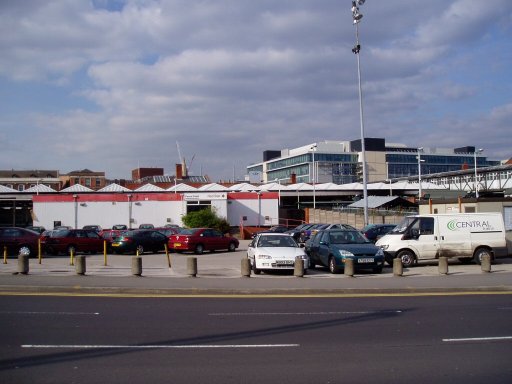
434 339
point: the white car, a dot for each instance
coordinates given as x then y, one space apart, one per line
273 251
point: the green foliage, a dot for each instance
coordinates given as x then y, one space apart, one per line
205 218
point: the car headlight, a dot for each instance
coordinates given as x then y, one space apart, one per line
380 252
384 246
344 253
265 257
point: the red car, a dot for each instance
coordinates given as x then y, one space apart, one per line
18 240
76 240
199 240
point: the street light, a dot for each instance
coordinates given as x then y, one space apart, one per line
420 150
313 149
356 16
476 180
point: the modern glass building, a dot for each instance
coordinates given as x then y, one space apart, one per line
338 162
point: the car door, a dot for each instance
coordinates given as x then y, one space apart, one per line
158 240
94 241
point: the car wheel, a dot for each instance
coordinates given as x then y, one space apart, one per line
139 249
25 250
480 253
72 249
232 247
333 268
312 264
256 270
408 258
199 249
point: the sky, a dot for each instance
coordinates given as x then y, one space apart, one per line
113 85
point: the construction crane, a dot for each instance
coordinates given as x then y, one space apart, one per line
183 161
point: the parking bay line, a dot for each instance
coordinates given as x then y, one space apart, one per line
200 346
49 313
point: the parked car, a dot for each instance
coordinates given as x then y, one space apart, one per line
109 235
374 232
18 240
37 229
307 233
119 227
96 228
332 247
146 226
72 240
199 240
274 229
139 240
297 231
274 251
169 231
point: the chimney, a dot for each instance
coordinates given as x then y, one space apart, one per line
179 172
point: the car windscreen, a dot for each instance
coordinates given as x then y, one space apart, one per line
60 233
277 241
404 224
347 237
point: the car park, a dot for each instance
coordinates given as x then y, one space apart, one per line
72 241
199 240
332 247
17 241
274 251
139 241
374 232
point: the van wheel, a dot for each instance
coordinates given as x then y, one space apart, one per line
480 253
408 258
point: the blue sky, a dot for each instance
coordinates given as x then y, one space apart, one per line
111 85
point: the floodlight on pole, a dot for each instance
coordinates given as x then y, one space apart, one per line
479 151
356 17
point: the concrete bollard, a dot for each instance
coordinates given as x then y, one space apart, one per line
192 266
443 265
80 265
398 267
349 267
486 263
136 266
298 270
246 267
23 264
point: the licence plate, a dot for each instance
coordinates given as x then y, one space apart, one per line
115 245
177 244
284 262
366 260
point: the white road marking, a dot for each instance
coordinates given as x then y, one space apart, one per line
49 313
300 313
78 346
480 339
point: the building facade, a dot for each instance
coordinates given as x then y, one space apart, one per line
339 162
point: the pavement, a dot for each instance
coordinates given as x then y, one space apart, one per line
219 274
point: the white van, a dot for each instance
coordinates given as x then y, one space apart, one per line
467 236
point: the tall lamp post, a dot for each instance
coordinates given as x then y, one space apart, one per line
356 16
313 149
420 150
479 151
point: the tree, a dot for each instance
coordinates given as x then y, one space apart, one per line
206 218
